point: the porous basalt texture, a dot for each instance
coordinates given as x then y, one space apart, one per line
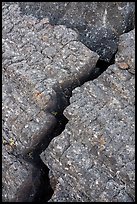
98 24
93 159
125 57
39 60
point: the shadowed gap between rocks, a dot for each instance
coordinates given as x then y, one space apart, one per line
45 191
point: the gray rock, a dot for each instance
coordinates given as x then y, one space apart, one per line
125 57
40 63
38 60
98 23
18 177
93 159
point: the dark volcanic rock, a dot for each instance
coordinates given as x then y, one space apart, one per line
39 62
125 57
98 23
93 159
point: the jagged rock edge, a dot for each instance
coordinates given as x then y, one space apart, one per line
58 111
61 92
91 77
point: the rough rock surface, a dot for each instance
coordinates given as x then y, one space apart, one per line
94 157
125 57
98 23
38 60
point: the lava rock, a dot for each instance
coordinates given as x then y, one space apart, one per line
39 61
93 159
98 24
125 57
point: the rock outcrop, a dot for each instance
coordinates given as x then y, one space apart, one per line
125 57
42 62
39 62
93 160
98 24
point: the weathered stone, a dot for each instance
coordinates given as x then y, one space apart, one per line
98 23
39 61
18 177
93 159
125 58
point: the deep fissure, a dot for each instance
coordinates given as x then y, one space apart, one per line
45 190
